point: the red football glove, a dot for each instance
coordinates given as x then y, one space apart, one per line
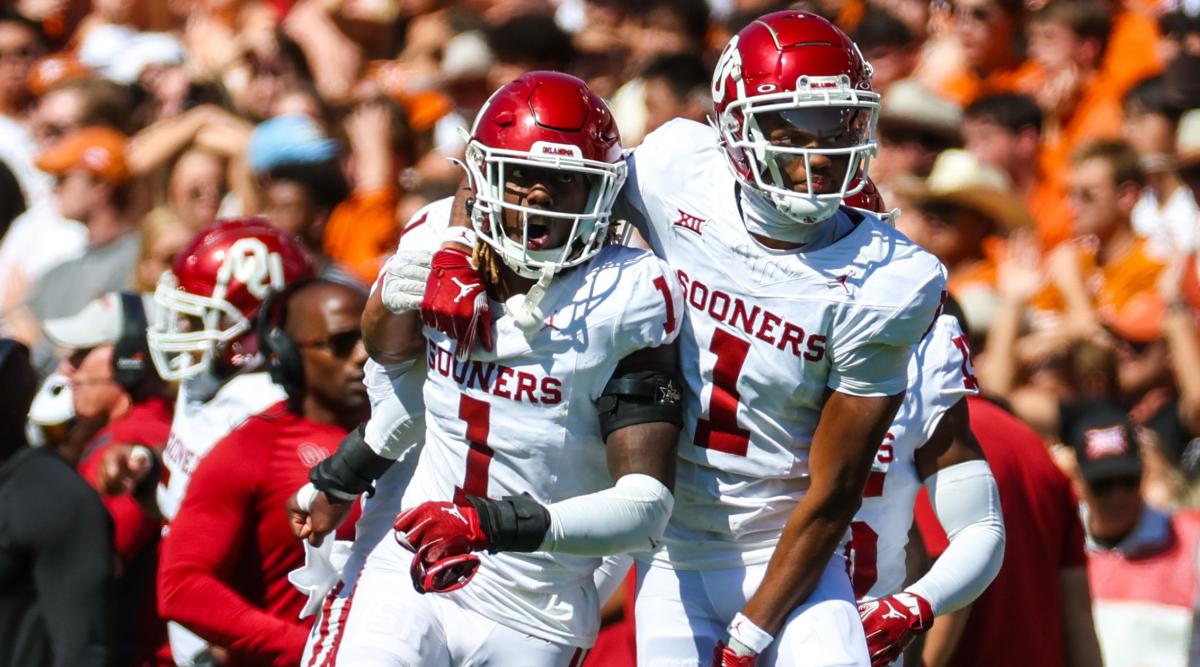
456 301
447 574
723 656
892 622
442 537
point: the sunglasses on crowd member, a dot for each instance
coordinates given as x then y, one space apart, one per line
1106 486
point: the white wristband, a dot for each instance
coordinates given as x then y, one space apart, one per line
463 235
305 497
744 631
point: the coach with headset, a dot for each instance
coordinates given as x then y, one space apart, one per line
113 384
230 547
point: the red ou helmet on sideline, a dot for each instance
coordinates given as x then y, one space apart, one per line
207 302
802 72
545 120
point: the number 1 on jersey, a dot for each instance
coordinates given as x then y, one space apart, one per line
720 431
477 414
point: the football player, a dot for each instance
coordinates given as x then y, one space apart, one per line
929 442
554 448
203 337
801 316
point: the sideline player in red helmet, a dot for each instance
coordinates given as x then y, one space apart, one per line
203 336
548 452
802 313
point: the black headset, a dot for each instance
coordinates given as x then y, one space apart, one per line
282 354
131 353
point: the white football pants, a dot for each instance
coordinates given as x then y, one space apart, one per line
682 614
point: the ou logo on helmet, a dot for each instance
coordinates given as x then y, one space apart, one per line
729 66
251 263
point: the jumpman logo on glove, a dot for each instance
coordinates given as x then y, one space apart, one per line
464 289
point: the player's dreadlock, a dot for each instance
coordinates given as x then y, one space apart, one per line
485 257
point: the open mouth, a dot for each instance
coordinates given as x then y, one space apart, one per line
538 235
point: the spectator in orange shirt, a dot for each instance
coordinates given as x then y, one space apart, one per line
1110 270
1067 39
987 37
1132 53
1004 130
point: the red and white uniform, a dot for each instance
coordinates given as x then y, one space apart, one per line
939 375
520 420
392 391
767 333
198 426
223 566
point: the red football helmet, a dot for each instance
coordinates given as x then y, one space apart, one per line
551 121
866 196
795 69
209 298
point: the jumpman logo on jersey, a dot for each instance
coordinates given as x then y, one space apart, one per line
840 281
464 289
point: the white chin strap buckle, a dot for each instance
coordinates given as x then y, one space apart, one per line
524 307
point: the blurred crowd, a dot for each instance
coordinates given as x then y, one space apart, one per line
1048 152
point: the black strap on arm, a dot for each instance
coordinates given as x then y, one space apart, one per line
352 470
641 396
513 523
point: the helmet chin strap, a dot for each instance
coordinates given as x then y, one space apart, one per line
524 307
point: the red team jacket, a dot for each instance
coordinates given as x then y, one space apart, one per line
225 560
1044 536
147 423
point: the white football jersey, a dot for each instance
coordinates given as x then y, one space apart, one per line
524 420
423 232
767 333
939 375
198 425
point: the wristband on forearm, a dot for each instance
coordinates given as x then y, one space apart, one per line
513 523
464 235
743 631
351 471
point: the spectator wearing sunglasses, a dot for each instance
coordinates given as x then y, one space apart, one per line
230 546
1142 562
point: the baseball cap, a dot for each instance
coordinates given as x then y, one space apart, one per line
288 139
101 321
98 149
1104 441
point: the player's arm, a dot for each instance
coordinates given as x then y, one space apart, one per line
845 442
964 495
205 541
641 413
965 498
640 417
